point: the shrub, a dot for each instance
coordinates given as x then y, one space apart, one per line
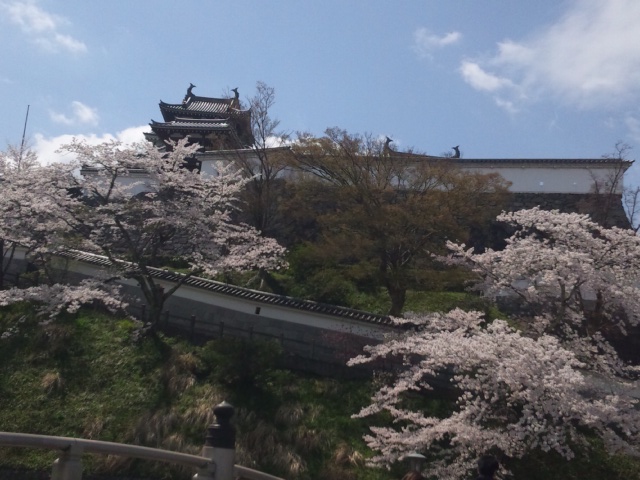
240 362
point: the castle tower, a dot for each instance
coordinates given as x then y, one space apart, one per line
213 123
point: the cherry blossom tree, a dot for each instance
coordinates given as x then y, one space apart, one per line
142 207
17 159
23 219
540 381
32 227
56 298
571 277
514 394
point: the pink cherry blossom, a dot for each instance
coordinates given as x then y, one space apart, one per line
138 204
536 382
513 394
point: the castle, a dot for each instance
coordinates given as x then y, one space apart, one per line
214 123
223 130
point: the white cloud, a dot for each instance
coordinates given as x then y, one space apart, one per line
41 26
589 58
31 18
60 118
506 105
424 42
479 79
81 115
133 134
274 141
85 114
46 148
58 40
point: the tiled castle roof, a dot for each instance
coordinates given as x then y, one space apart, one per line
197 117
200 107
190 123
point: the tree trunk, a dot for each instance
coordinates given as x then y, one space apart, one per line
398 297
155 297
156 306
274 285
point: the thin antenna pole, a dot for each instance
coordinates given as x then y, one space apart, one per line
24 132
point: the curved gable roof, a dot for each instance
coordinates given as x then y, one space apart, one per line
203 107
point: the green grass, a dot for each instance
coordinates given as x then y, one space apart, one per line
80 376
84 376
423 302
442 301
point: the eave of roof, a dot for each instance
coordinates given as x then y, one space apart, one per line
192 124
245 151
129 172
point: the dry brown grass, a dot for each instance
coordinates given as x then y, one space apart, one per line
166 429
342 463
188 361
152 428
289 414
52 382
92 427
159 428
283 442
55 333
201 413
52 339
346 456
178 373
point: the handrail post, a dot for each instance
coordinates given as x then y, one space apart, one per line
69 465
220 444
206 473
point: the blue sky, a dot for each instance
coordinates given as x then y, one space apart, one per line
501 78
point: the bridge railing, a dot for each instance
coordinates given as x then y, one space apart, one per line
215 463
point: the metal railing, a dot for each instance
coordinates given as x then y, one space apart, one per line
215 463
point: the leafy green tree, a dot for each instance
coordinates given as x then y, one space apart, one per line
385 213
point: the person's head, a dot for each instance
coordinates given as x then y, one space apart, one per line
488 465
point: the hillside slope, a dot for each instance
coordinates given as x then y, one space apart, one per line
94 376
